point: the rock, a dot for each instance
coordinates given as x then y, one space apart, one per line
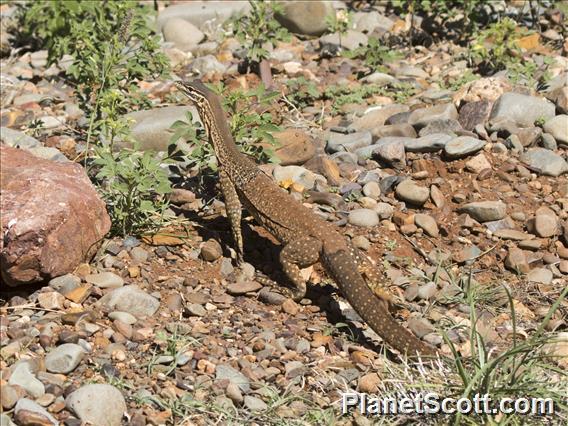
349 142
379 78
544 161
540 275
390 151
423 116
132 300
254 404
245 287
560 97
420 326
17 139
524 110
427 291
22 376
412 193
199 12
384 210
288 175
546 222
182 33
447 126
372 21
403 129
372 190
30 413
427 223
548 142
467 254
529 136
207 64
558 128
211 250
151 128
105 280
52 217
97 404
369 383
363 218
224 371
478 163
9 396
51 300
430 143
361 242
305 17
411 71
516 261
138 255
474 113
64 358
296 147
375 118
485 211
512 234
350 40
65 283
463 146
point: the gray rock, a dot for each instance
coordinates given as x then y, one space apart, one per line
558 128
390 150
254 404
420 326
105 280
64 358
372 189
548 142
384 210
474 113
524 110
373 21
485 211
138 255
211 250
48 153
23 376
540 275
207 64
403 129
247 286
544 161
17 139
463 146
123 317
151 128
350 40
423 116
363 218
224 371
361 242
182 33
306 17
448 126
28 409
5 420
412 193
379 78
411 71
28 98
349 142
132 300
199 12
376 117
65 283
97 404
546 223
429 143
427 291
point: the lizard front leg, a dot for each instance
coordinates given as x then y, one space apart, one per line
299 253
234 212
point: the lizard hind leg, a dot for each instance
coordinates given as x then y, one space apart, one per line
299 253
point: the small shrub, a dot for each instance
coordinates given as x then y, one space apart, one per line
302 92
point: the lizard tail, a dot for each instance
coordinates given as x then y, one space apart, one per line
344 271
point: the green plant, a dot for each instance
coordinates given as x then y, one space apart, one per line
133 185
457 83
339 22
302 92
496 47
374 54
174 346
259 28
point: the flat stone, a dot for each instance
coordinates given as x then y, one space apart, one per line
132 300
474 113
30 413
182 33
305 17
65 283
558 128
51 300
423 116
447 126
478 163
516 261
295 147
462 146
524 110
245 287
427 223
199 12
105 280
23 376
363 218
123 317
372 21
350 40
390 151
544 161
512 234
288 175
349 142
97 404
224 371
430 143
485 211
546 223
540 275
412 193
211 250
253 403
375 118
64 358
17 139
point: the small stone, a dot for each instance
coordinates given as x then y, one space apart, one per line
211 250
29 413
132 300
182 33
512 234
22 376
412 193
363 218
51 300
423 116
433 142
97 404
290 307
254 404
540 275
372 190
558 128
361 242
369 383
427 291
240 288
524 110
64 358
478 163
427 223
463 146
123 317
384 210
65 283
544 161
485 211
546 222
516 261
105 280
138 255
420 326
467 254
224 371
234 393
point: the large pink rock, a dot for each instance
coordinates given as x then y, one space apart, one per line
52 217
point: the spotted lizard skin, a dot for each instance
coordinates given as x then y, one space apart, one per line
306 238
